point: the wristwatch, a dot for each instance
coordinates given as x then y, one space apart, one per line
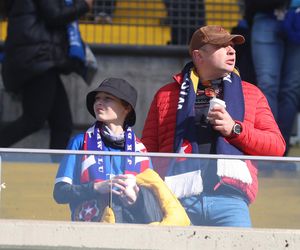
237 129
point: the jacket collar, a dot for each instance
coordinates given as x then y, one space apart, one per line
178 78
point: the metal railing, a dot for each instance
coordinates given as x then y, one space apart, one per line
28 176
152 22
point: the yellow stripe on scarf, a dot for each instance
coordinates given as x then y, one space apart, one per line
195 79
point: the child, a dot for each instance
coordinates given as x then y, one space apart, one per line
81 179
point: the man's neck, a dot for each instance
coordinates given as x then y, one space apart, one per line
208 77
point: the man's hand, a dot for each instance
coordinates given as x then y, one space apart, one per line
220 120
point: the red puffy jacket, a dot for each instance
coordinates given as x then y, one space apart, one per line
260 135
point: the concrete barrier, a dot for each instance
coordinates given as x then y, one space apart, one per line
27 234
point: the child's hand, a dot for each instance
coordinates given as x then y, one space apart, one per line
116 184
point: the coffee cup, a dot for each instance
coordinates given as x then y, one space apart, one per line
216 102
131 183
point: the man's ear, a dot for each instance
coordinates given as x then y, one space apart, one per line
197 57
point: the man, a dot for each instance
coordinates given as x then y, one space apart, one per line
213 192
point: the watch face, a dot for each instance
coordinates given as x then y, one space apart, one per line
237 129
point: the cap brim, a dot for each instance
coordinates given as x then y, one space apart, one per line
238 39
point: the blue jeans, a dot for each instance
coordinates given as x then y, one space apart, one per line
276 63
217 210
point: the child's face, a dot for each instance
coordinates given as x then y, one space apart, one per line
109 109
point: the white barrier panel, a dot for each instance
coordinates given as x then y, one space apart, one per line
27 234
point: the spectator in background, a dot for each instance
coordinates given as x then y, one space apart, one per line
184 16
2 10
244 62
214 193
1 55
276 59
36 53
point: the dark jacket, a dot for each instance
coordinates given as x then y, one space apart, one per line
37 39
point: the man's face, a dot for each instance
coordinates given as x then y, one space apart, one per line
215 61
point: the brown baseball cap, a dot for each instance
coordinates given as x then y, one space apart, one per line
212 34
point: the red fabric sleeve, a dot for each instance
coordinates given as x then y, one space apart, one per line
260 135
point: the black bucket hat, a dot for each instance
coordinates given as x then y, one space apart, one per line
119 88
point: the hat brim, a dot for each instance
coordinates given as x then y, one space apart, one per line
236 39
90 99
